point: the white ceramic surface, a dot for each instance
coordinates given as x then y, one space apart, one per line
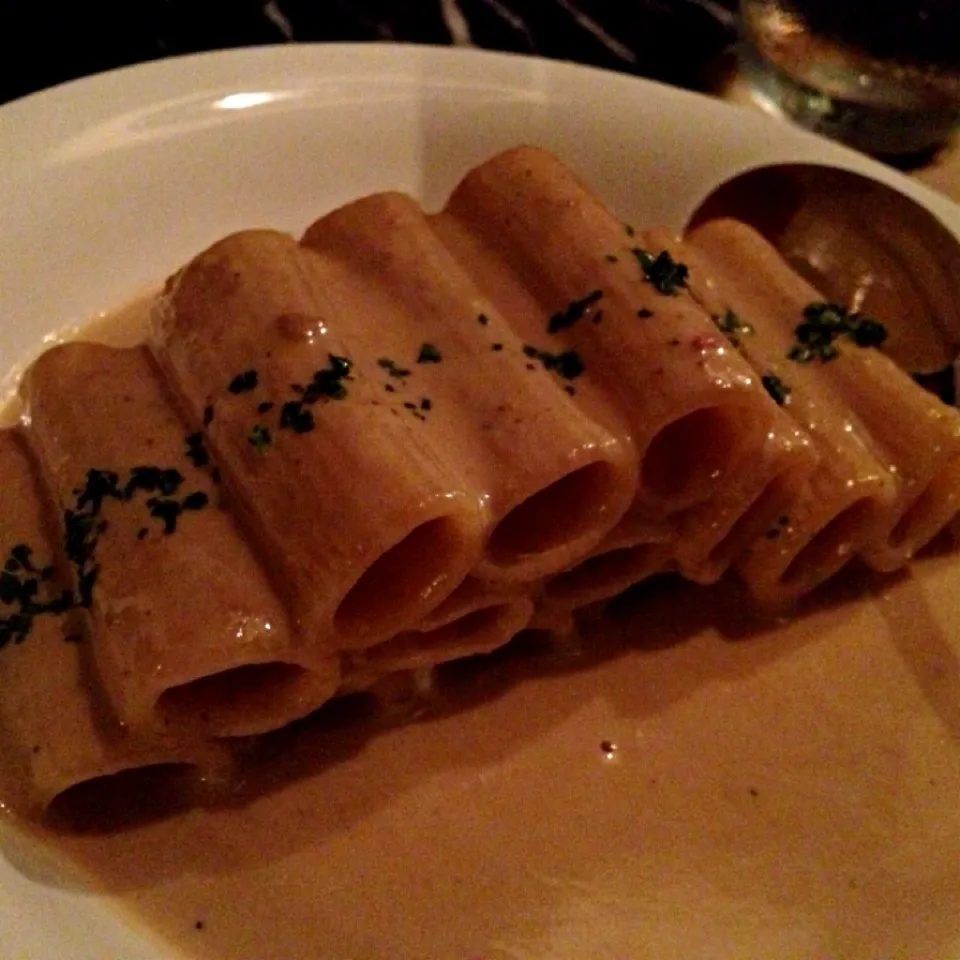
794 792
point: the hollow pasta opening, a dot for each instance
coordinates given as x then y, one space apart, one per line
457 604
252 698
690 457
462 629
830 549
417 648
752 523
602 576
560 514
402 579
122 800
928 514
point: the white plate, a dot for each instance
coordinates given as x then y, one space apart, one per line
793 794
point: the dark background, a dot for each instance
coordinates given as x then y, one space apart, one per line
45 42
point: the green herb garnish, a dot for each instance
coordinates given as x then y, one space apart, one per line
259 437
662 271
392 369
196 451
776 388
824 324
244 382
566 364
729 323
294 417
574 311
429 353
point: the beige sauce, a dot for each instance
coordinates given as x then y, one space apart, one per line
695 784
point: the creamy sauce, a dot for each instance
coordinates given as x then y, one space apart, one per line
792 789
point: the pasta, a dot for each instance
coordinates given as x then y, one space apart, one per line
486 405
184 625
898 445
56 733
406 438
523 219
364 516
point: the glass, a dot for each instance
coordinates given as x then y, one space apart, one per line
881 75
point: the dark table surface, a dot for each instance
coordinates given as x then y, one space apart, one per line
45 42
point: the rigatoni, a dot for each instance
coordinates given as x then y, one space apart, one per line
714 536
184 625
551 480
696 414
635 550
359 514
483 629
907 440
57 733
843 503
434 431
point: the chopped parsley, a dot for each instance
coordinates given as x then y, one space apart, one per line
20 588
327 383
496 347
208 415
575 310
166 482
824 324
776 388
265 407
482 319
244 382
21 579
196 450
259 437
611 258
730 324
429 353
294 417
664 273
567 364
392 369
644 313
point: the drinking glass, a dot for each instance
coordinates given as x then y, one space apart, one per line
881 75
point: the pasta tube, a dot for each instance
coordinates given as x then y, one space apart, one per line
480 631
57 735
696 414
354 504
632 552
914 436
551 480
844 503
184 625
